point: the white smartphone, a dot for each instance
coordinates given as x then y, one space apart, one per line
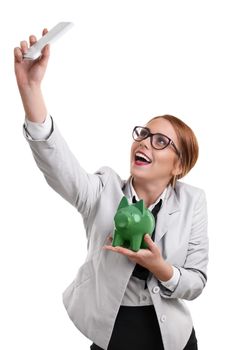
35 50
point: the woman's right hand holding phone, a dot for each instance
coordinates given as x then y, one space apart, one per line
29 75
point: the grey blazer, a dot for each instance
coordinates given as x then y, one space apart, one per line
93 298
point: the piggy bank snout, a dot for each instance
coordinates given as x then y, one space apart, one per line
121 220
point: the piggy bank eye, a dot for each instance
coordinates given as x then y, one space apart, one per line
136 217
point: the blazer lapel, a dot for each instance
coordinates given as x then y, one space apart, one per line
170 206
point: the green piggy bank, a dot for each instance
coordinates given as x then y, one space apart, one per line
132 222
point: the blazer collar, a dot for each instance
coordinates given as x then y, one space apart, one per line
170 206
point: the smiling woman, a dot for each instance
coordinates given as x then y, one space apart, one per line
121 299
184 136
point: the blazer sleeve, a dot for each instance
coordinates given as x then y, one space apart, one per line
193 274
63 172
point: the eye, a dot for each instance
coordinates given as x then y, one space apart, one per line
143 133
160 141
140 133
136 217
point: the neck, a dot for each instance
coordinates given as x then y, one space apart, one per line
149 192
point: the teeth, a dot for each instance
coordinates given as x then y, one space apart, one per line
139 154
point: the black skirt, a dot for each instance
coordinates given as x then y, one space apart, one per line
137 328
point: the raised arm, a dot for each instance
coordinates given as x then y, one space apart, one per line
60 167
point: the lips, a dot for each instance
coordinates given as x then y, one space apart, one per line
142 159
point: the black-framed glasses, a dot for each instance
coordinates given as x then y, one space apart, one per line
158 141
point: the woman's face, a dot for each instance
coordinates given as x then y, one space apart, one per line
164 164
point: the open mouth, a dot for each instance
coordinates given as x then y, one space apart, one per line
142 159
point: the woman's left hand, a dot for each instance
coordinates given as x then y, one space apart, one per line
150 258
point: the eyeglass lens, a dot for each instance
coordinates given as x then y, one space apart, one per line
159 141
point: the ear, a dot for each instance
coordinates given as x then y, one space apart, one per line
177 169
140 205
123 203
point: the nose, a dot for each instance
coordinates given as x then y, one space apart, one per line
145 143
121 220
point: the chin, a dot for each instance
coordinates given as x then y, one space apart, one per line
138 173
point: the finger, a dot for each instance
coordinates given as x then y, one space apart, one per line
46 50
18 54
109 247
121 250
126 252
24 46
150 243
109 239
45 31
32 39
45 54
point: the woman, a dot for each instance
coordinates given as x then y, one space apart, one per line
122 299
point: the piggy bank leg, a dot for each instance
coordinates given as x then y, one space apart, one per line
117 240
135 243
144 244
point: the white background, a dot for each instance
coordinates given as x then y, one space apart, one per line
121 64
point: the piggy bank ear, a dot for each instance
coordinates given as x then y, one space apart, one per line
123 203
140 205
